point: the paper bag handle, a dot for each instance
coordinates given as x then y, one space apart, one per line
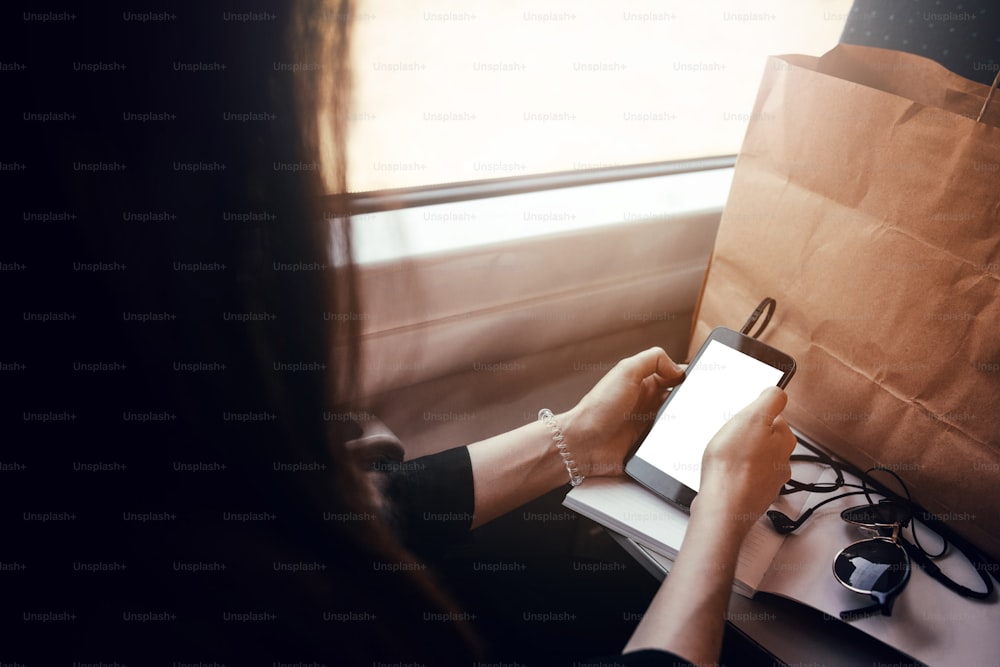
989 96
767 303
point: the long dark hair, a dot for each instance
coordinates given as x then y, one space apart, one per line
213 415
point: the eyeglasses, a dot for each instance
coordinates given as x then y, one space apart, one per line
879 566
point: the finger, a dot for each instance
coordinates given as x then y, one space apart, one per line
651 395
784 431
771 402
765 408
781 426
786 442
656 363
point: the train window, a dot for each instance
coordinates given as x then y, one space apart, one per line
448 92
481 131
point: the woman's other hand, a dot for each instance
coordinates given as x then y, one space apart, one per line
604 425
746 463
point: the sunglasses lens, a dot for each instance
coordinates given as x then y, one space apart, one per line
883 513
872 566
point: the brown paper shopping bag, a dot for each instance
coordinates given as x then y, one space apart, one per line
866 201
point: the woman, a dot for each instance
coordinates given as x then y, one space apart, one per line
191 172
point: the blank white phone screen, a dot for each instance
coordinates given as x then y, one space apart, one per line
720 384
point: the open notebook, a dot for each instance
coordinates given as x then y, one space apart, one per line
632 510
929 622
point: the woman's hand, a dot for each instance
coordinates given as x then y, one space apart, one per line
746 463
606 422
512 468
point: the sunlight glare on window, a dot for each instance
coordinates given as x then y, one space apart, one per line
449 91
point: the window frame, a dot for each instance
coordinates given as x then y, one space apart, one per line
398 198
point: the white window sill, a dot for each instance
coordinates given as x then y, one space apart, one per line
388 236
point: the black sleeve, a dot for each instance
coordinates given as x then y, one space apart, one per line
644 658
432 499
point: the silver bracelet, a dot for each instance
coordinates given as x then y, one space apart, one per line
545 415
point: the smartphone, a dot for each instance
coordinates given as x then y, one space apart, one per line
727 374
